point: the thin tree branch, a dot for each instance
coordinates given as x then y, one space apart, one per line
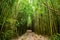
46 5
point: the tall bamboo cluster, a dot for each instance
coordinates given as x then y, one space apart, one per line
46 17
41 16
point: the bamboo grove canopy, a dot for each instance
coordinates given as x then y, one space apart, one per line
41 16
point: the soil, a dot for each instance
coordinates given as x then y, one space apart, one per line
29 35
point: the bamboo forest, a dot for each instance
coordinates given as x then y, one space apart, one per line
29 19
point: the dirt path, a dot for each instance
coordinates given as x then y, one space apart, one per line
32 36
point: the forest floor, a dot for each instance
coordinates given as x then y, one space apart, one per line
29 35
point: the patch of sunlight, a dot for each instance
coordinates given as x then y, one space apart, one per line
30 1
11 20
29 20
19 1
33 8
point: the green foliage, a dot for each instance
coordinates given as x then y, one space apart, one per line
7 35
42 16
56 37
